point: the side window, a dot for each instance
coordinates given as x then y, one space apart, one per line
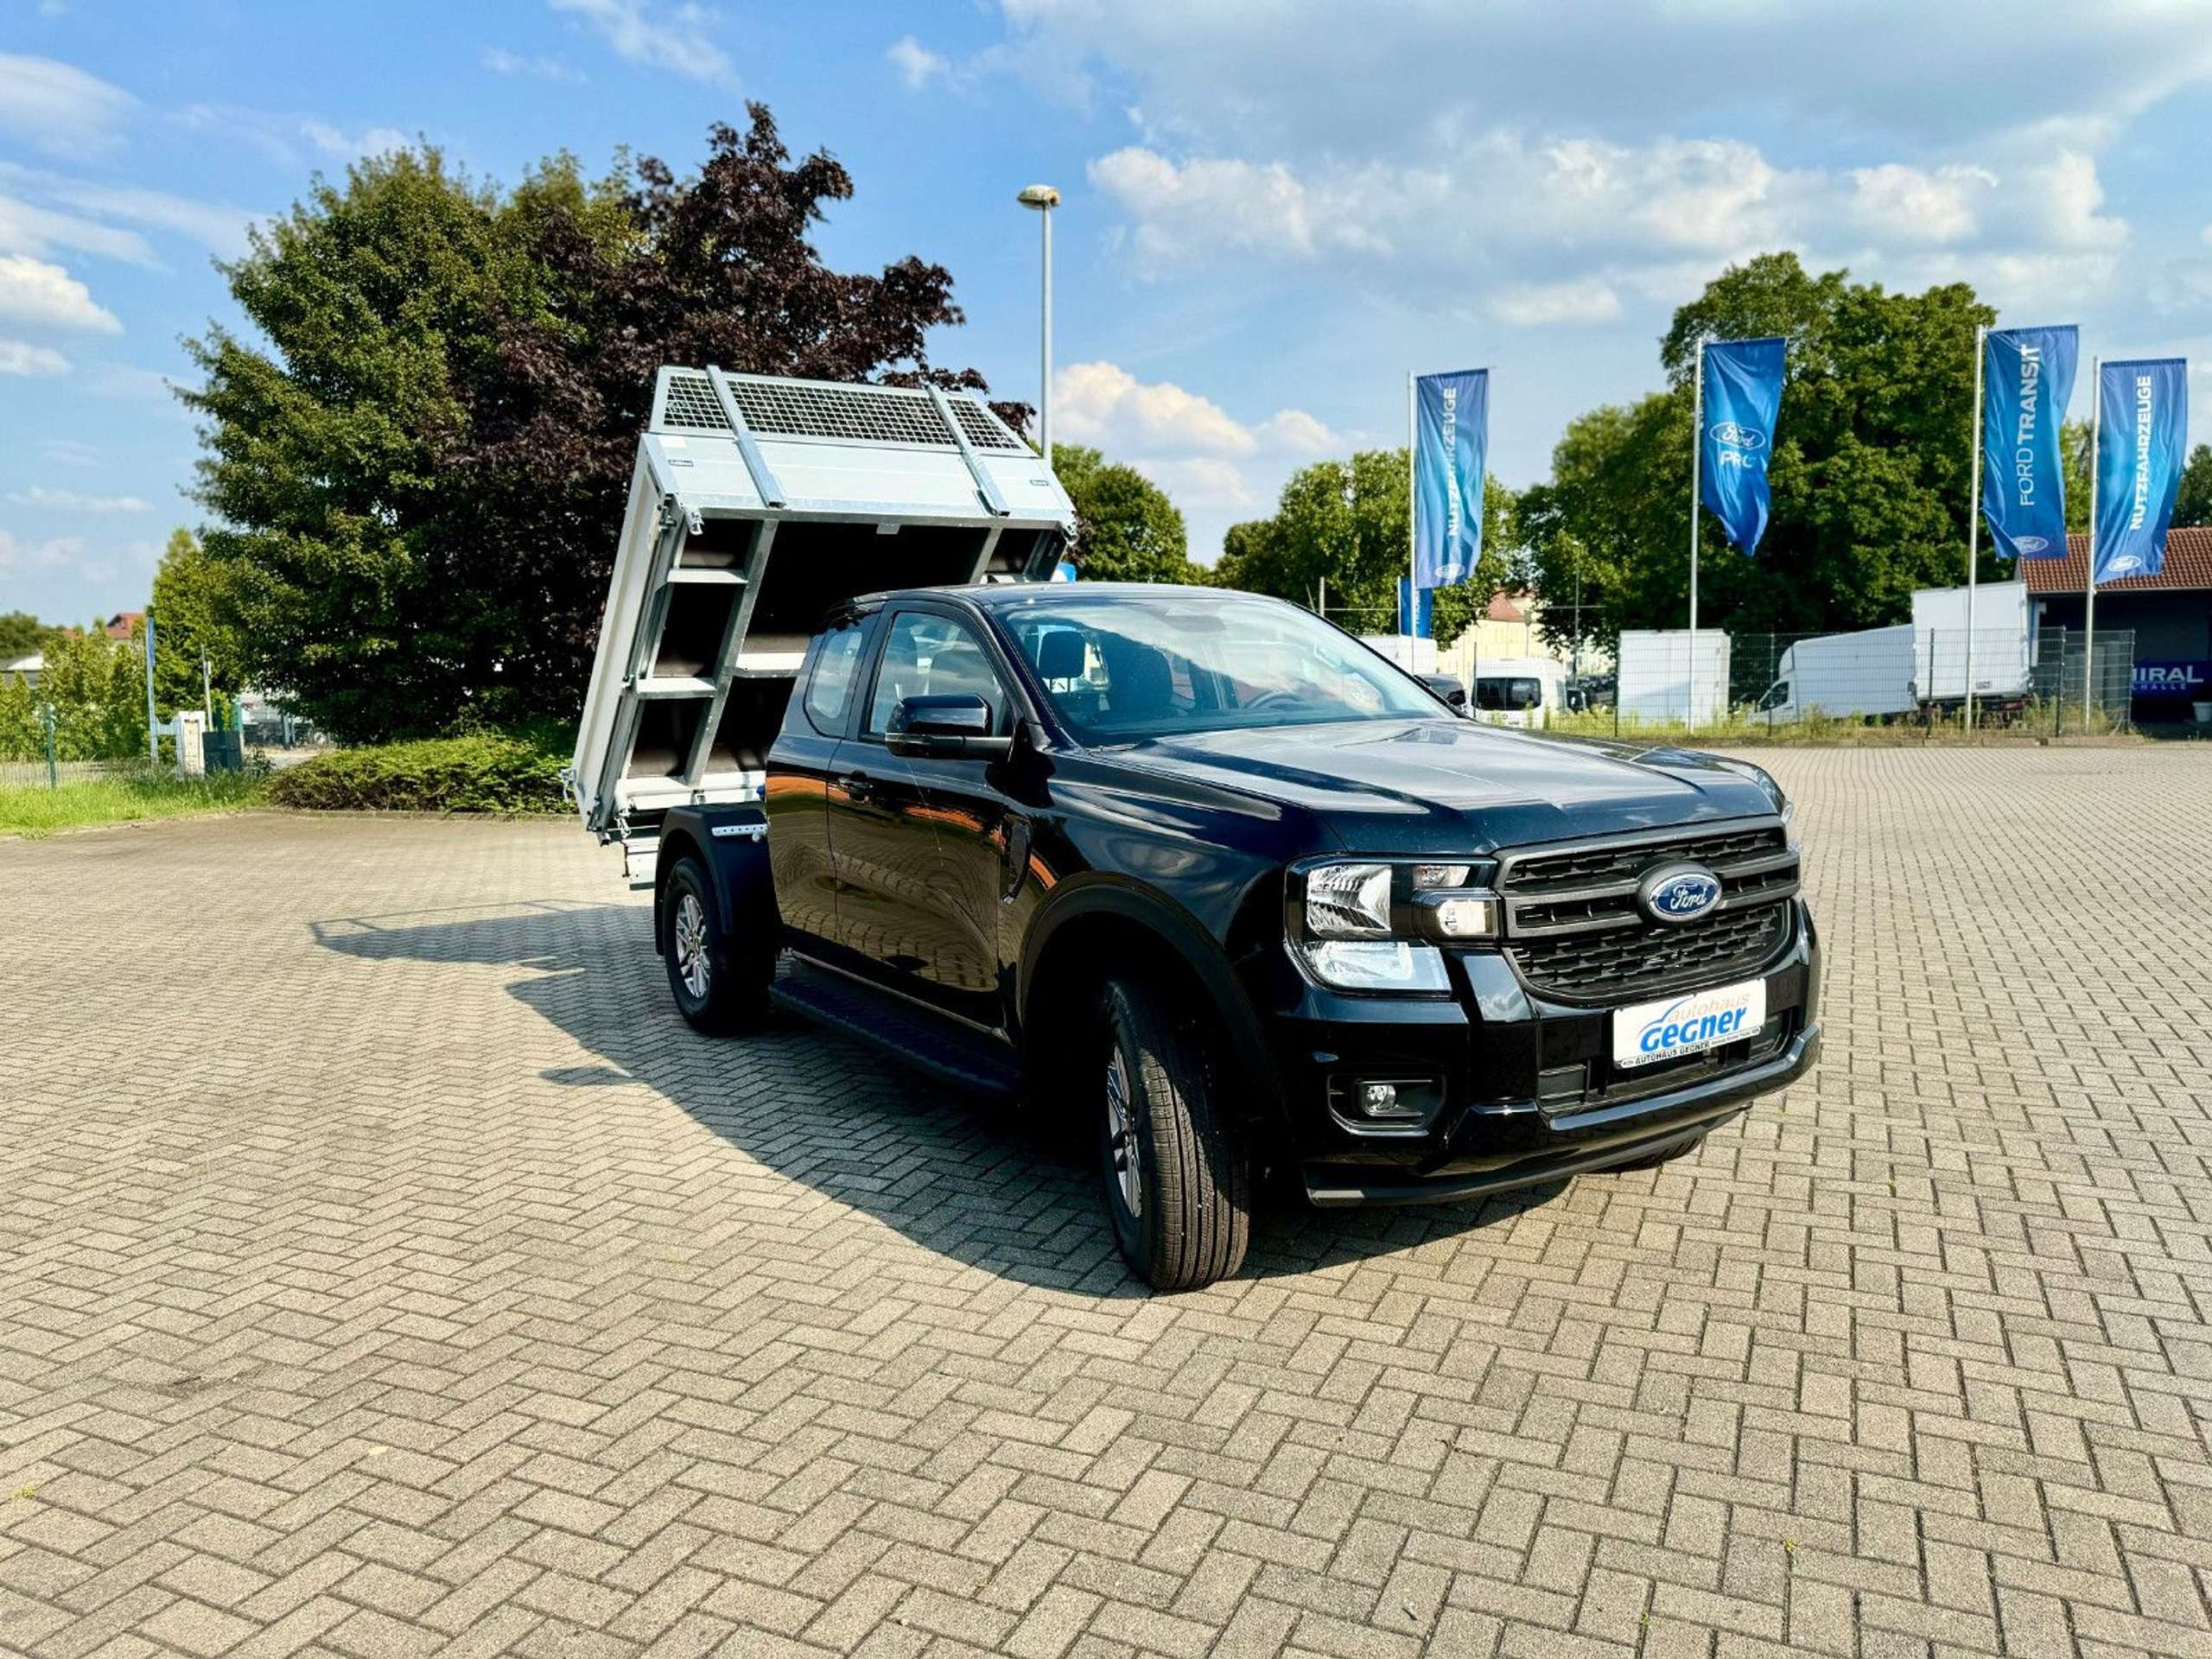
929 655
837 668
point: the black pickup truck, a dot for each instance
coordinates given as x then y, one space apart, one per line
1200 874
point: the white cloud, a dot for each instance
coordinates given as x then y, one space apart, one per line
500 62
917 65
2069 194
1534 305
1184 207
72 501
1911 204
68 452
46 210
1291 78
369 141
26 228
1201 455
16 554
1103 404
1204 482
677 39
20 356
33 292
60 107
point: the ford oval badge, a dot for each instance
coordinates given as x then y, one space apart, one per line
1679 893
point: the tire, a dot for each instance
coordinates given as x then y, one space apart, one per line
1665 1155
1182 1216
719 985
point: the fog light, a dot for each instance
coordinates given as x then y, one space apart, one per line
1397 1102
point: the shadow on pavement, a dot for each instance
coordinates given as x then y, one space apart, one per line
995 1188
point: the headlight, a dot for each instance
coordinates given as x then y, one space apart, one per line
1377 965
1348 901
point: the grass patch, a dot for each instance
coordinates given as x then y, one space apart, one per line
1750 729
34 809
483 772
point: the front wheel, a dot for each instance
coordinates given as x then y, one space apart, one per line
720 984
1177 1174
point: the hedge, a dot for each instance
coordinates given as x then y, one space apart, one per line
483 772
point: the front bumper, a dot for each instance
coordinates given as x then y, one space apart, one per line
1529 1094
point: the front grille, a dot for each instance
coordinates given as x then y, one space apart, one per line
1573 927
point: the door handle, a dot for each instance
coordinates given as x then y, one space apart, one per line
858 787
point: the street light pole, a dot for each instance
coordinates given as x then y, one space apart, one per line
1042 199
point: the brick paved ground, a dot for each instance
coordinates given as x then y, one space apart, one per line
383 1267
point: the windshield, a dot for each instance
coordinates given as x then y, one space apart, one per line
1124 666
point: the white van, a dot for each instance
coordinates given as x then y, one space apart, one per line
1518 690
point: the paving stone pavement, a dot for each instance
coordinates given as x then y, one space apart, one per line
385 1270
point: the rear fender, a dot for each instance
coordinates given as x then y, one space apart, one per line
732 842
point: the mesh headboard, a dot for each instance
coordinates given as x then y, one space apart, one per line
797 410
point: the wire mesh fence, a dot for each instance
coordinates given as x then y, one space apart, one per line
41 774
1780 686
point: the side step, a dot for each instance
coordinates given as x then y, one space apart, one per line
966 1059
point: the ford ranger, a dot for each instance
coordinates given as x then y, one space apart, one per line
1204 877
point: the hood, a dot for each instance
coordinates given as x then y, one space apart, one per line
1453 785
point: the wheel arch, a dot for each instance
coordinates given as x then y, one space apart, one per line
1105 926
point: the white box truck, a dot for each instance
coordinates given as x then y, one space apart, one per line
2002 648
1869 672
1667 675
1523 691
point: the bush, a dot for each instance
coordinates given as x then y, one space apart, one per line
483 772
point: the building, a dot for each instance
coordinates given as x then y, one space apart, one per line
2169 613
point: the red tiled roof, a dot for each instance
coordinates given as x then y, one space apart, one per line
119 625
2189 564
1503 609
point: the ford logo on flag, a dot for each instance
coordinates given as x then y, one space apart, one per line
2118 562
1679 893
2030 543
1738 437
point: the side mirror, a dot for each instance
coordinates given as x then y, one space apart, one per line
957 723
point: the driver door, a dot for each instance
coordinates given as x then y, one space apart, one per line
920 840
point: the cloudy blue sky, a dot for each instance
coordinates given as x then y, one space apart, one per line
1273 207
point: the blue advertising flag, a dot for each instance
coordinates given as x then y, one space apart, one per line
2142 432
1742 396
2027 381
1450 435
1416 609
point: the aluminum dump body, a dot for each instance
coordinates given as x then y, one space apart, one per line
755 505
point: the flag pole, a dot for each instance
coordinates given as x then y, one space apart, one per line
1413 508
1697 452
1973 516
2089 601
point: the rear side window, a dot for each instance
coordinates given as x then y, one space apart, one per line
836 670
1514 693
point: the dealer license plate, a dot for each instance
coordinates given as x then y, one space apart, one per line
1669 1029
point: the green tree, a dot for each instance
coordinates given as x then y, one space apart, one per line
2193 502
2074 452
20 633
1867 470
419 483
194 606
1344 522
98 690
1126 529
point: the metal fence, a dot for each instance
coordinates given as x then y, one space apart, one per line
2052 681
41 774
